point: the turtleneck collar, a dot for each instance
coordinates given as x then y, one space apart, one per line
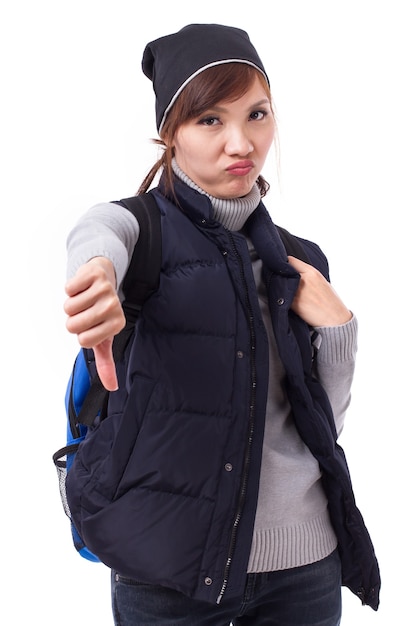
232 213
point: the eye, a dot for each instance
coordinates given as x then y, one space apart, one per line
258 115
209 120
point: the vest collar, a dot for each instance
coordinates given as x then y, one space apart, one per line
259 226
195 205
267 242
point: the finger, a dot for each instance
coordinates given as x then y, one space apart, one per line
85 294
98 271
80 282
297 264
105 365
97 323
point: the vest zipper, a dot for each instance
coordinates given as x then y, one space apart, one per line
251 426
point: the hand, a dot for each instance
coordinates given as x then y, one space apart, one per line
316 302
95 314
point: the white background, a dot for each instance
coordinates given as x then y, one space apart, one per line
76 119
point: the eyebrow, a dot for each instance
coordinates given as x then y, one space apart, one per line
252 106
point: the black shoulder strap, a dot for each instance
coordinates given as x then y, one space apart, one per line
142 279
293 245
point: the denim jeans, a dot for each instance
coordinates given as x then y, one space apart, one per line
303 596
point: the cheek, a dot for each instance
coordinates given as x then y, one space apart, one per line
178 142
187 149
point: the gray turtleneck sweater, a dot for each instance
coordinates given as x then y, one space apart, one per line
292 525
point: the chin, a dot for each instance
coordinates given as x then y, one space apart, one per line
234 191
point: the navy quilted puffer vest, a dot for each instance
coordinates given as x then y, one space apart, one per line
164 490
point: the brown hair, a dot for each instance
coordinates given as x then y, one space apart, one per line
227 82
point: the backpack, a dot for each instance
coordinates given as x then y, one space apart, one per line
85 397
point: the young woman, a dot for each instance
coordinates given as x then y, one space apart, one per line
230 499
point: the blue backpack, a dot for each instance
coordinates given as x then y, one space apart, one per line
85 397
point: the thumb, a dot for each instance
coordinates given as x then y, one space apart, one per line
106 368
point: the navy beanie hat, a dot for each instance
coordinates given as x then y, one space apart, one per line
171 62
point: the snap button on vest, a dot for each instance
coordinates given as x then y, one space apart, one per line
228 467
280 301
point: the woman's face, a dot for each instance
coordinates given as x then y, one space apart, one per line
223 150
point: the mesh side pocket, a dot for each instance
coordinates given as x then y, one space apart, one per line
63 460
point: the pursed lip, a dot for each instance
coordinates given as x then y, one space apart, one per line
241 168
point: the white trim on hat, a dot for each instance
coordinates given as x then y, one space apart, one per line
201 69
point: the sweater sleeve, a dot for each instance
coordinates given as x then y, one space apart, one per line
335 365
108 230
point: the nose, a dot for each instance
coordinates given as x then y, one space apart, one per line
238 141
